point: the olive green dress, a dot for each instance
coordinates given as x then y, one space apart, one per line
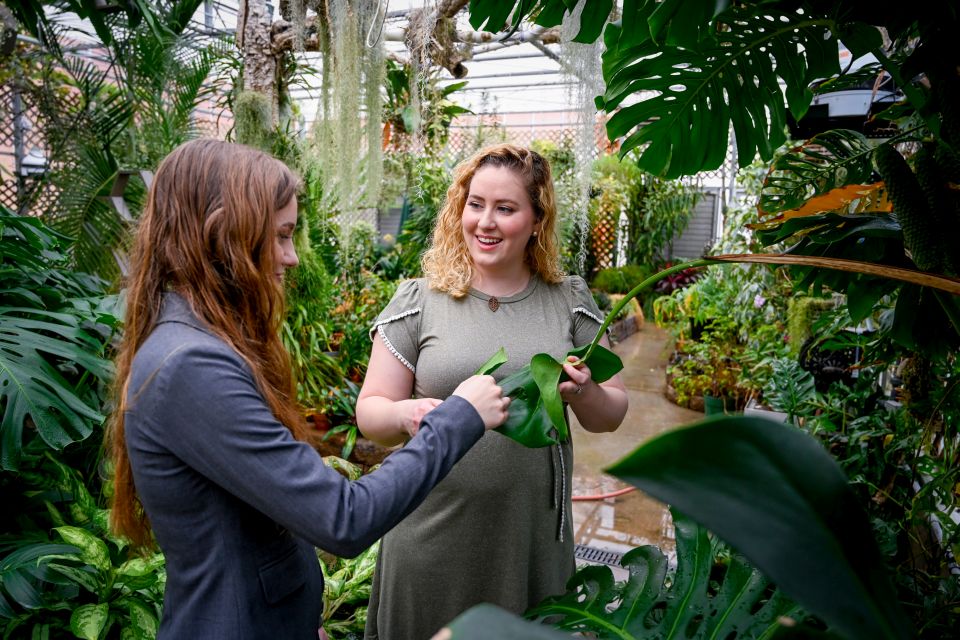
497 528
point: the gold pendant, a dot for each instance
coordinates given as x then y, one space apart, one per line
493 303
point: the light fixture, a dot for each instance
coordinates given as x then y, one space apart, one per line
34 163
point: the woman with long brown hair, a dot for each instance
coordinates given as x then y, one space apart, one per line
206 440
497 529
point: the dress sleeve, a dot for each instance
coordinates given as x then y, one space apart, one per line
398 325
586 315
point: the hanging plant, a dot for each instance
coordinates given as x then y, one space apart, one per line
347 135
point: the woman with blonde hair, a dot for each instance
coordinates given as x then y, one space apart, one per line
207 442
497 529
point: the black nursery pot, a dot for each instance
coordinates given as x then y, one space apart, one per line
697 328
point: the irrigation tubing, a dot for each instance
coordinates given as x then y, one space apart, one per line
604 496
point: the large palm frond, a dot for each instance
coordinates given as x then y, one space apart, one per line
170 121
83 211
113 127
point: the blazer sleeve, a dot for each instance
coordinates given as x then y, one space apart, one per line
204 405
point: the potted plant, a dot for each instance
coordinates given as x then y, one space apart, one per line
704 375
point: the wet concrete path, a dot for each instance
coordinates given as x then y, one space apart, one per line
621 523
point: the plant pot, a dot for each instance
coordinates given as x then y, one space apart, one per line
713 405
623 329
694 403
754 408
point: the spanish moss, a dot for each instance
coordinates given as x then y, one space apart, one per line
581 65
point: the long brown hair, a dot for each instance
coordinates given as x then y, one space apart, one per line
447 262
208 233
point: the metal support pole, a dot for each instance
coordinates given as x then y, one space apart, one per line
17 109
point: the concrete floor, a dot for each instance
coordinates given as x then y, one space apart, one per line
621 523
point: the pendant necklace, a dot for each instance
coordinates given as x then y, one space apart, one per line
494 302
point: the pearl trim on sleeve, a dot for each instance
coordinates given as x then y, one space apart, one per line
588 313
386 340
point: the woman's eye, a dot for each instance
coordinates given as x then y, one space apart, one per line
505 209
473 205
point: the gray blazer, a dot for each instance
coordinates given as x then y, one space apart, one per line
237 505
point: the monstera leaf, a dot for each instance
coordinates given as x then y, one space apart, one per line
733 77
689 69
32 387
536 410
46 338
703 598
687 605
775 495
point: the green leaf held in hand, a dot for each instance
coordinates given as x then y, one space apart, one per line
493 363
536 408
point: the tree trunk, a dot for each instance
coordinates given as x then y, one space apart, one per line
259 62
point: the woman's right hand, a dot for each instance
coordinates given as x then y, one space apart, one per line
487 398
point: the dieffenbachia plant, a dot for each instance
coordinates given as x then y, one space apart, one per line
536 409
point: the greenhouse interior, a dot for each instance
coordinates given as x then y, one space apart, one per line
247 248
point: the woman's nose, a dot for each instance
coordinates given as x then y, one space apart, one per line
487 220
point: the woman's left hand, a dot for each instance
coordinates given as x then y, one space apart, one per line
580 383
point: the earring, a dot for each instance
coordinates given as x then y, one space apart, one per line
535 234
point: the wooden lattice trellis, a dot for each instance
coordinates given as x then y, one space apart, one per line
29 193
603 236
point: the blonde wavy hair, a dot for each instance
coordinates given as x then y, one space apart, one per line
447 263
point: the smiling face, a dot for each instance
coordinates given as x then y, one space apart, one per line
285 255
498 221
